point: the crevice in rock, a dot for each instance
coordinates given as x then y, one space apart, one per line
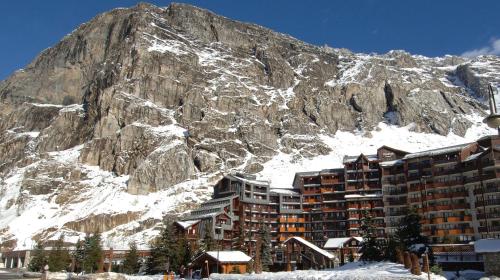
391 114
197 163
311 117
108 38
354 104
448 101
213 29
261 56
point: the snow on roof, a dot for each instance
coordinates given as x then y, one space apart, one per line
362 195
284 191
333 243
355 158
187 224
487 246
229 256
473 156
249 181
391 163
312 246
440 151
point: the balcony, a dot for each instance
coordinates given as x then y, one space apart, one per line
330 181
292 229
487 190
416 188
446 171
414 199
491 215
397 192
437 196
332 209
488 202
396 202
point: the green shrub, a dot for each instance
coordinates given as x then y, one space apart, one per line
436 269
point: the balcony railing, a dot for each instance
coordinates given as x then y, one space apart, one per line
487 190
491 215
488 202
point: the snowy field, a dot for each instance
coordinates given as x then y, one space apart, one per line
350 271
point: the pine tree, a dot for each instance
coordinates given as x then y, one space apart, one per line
391 246
131 264
38 258
370 248
266 257
164 255
239 244
79 255
93 252
409 231
183 251
208 242
59 257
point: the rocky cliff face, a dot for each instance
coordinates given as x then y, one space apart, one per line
136 112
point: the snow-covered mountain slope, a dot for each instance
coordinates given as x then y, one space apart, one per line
134 115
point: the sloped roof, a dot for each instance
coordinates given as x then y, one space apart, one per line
312 246
487 246
333 243
188 223
439 151
229 256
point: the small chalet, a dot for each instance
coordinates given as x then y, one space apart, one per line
343 247
221 262
490 249
302 254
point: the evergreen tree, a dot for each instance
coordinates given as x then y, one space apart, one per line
409 231
208 242
239 244
93 252
131 264
183 252
59 257
370 248
164 254
266 257
390 247
38 258
79 255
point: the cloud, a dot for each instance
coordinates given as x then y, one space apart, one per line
492 49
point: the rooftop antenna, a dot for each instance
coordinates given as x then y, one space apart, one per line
493 119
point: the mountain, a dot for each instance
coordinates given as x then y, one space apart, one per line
135 114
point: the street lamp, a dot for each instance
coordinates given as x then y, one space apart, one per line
218 229
493 119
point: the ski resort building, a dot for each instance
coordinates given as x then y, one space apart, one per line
455 189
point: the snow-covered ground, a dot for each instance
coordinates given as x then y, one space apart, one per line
350 271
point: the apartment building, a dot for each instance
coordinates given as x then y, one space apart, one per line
242 205
324 205
455 189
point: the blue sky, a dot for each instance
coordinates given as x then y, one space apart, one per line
427 27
